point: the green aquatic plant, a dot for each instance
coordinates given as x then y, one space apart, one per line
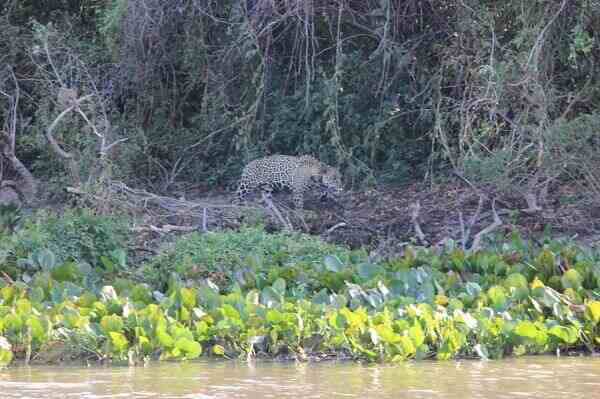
295 296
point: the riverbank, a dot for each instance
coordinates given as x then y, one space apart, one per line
253 294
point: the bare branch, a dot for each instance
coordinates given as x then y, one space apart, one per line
495 225
414 217
49 131
286 224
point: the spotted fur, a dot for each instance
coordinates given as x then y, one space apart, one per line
296 173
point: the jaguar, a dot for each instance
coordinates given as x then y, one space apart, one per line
296 173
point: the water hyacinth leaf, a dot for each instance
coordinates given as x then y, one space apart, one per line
321 298
45 259
68 271
112 323
333 264
407 346
387 334
338 301
279 286
416 334
23 307
516 280
374 299
253 297
118 340
465 318
119 255
188 297
367 271
568 335
165 340
37 329
472 288
109 265
189 347
592 311
526 329
37 294
269 297
571 279
7 293
497 296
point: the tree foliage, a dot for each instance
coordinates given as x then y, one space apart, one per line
384 89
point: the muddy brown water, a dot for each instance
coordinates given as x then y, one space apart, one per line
531 377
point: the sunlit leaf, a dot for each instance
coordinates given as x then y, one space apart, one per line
118 340
568 335
592 311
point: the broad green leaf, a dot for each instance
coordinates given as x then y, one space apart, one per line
497 296
45 259
592 311
279 286
118 340
112 323
37 329
190 348
526 329
23 307
571 279
188 297
66 272
472 288
165 339
333 264
416 334
568 335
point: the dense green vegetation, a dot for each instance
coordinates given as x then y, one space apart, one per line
163 95
387 90
249 293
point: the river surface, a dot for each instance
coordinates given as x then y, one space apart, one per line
530 377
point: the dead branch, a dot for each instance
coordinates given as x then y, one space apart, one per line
414 217
28 188
335 227
495 224
466 229
286 223
204 220
165 229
